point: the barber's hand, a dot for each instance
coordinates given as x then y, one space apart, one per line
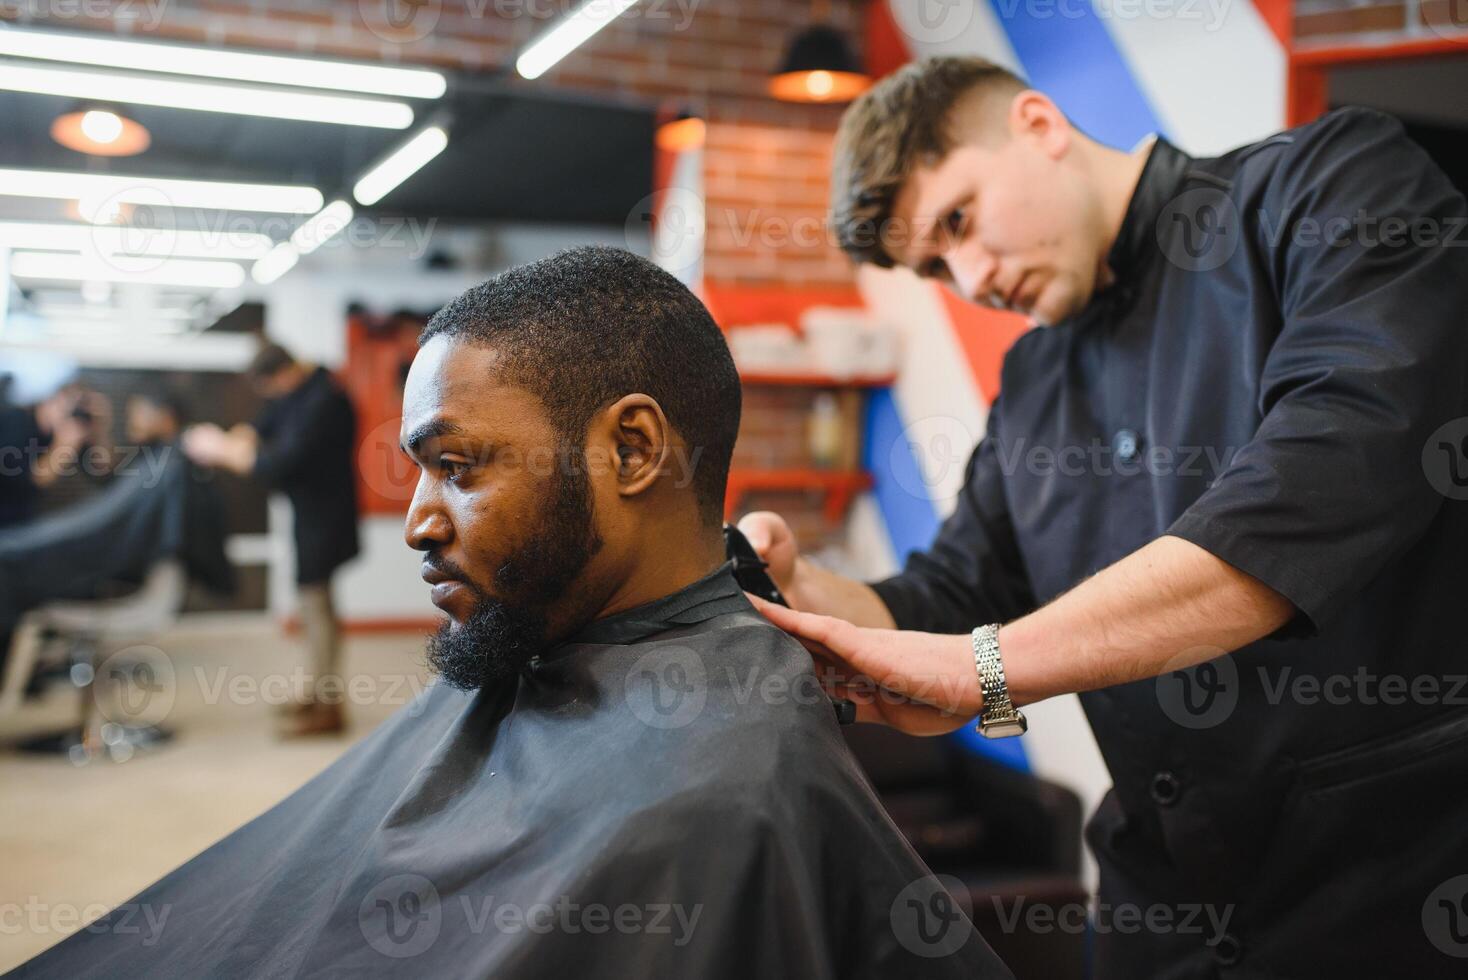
206 444
919 683
773 541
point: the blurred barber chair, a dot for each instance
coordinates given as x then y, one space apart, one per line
100 647
1006 843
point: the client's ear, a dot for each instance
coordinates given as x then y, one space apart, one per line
640 440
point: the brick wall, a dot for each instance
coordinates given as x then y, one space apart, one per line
1330 22
766 163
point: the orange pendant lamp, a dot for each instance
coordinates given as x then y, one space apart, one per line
819 67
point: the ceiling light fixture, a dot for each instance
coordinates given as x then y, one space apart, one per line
170 272
108 239
399 165
100 132
281 259
322 226
88 83
569 34
819 67
224 196
177 59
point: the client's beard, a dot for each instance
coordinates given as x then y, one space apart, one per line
502 634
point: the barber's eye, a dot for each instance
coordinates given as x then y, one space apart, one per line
934 268
953 223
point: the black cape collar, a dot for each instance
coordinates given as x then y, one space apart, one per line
1136 240
713 595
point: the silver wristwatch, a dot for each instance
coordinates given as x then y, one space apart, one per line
997 718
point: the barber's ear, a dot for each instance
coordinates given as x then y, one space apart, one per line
1035 115
641 442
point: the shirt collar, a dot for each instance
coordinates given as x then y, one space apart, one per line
713 595
1136 240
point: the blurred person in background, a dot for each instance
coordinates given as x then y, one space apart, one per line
38 444
301 444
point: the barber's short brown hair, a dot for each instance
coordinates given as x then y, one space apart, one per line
268 362
898 124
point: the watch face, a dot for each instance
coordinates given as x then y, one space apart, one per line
1004 729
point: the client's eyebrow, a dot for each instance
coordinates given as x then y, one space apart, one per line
430 430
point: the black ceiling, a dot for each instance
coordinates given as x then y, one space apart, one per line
512 156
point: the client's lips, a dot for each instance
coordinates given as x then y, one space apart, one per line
443 584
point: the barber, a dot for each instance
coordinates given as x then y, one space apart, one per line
1297 311
303 443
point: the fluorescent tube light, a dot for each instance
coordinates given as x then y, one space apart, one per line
177 59
281 259
69 185
568 35
401 164
88 83
133 241
322 226
170 272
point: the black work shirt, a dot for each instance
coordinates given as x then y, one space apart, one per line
308 442
1279 374
21 442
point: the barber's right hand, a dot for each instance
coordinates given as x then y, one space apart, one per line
773 541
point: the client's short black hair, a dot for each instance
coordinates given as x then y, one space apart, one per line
269 361
167 398
587 326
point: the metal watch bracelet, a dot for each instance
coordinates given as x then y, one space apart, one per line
998 718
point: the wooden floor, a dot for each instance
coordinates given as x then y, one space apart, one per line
78 838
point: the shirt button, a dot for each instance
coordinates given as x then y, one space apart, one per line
1126 442
1229 950
1166 788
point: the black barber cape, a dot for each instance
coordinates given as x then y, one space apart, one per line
157 505
667 795
1280 376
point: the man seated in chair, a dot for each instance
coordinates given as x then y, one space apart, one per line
623 771
156 506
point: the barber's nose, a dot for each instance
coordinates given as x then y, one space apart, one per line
972 269
427 526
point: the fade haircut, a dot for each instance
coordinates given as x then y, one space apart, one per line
587 326
903 122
